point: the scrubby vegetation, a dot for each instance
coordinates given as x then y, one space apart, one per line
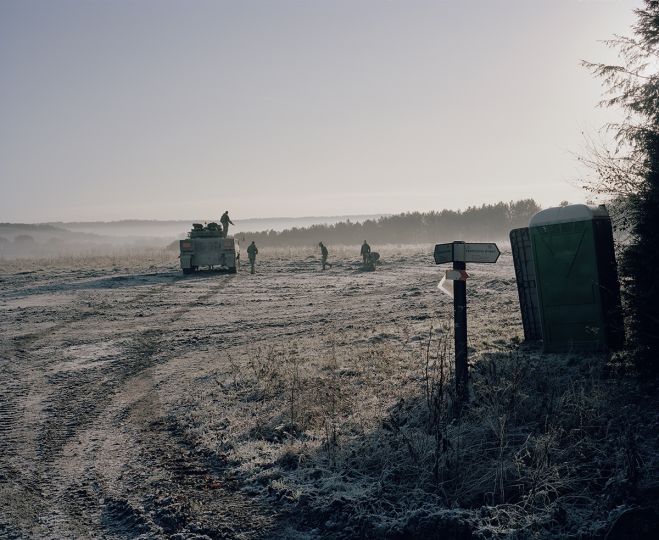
369 444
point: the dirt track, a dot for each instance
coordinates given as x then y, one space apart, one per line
95 359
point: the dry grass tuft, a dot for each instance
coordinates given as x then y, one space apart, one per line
369 443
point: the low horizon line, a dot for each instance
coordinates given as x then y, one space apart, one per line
51 222
192 220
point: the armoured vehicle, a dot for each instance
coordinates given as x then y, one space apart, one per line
205 247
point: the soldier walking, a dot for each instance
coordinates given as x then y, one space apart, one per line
225 220
252 250
324 253
366 251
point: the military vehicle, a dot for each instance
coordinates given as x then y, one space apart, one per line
205 247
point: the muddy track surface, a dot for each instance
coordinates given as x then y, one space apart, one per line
86 449
95 368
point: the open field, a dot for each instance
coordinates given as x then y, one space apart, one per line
293 403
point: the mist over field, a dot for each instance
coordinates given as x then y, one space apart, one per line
93 238
485 222
177 228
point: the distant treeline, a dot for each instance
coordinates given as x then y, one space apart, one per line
38 227
477 223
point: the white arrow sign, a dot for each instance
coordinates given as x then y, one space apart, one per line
443 253
481 252
446 286
473 252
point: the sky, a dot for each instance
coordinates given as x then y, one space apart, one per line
175 109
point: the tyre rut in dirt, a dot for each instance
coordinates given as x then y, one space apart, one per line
79 396
124 520
26 340
75 402
191 494
12 391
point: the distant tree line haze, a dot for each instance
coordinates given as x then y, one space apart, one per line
487 222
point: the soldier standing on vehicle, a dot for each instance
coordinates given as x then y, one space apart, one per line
225 220
324 253
252 250
366 251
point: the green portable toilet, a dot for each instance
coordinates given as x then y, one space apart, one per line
577 279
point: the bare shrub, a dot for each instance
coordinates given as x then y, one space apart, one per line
366 440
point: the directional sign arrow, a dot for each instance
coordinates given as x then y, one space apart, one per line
473 252
443 253
481 252
446 286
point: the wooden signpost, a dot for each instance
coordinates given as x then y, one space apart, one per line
460 253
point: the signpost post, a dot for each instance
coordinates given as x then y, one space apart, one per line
460 253
460 329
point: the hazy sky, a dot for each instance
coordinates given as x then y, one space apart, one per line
171 109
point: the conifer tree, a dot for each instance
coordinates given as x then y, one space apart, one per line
630 173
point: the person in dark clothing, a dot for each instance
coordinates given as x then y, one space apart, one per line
324 254
366 251
225 220
252 250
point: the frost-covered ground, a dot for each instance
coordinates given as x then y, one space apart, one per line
295 403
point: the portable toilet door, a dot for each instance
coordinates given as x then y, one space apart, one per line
577 279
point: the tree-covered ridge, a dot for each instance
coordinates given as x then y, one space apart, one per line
487 222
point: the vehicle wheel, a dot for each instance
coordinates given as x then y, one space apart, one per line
233 270
188 270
